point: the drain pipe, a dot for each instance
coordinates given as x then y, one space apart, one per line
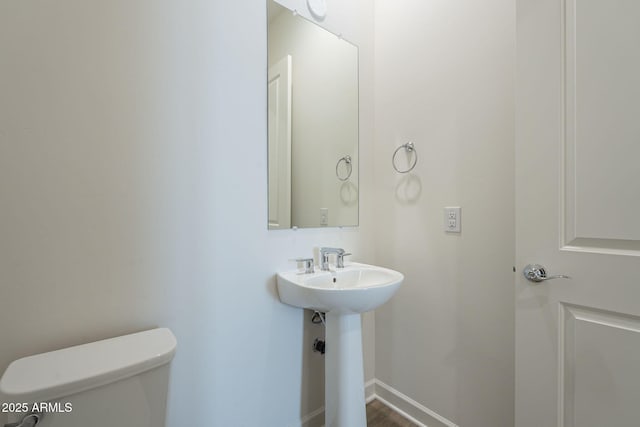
317 318
319 345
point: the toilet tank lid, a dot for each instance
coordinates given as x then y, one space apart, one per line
60 373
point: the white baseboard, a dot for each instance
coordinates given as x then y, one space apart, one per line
408 407
313 419
401 403
370 390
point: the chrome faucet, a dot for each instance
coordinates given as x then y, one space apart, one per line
324 257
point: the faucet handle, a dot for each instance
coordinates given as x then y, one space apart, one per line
332 250
308 264
340 259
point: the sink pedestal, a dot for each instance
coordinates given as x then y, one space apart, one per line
343 295
344 373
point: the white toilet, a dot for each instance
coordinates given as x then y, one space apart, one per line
120 381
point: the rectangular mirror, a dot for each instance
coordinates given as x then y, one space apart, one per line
312 124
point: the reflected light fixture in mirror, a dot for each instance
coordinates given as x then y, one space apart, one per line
312 124
318 8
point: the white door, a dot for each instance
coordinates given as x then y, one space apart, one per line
578 213
279 142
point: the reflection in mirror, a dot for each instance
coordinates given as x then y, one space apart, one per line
313 124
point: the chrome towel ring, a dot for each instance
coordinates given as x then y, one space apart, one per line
347 161
409 147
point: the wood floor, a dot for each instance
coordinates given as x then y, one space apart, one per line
380 415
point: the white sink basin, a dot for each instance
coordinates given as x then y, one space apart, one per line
356 288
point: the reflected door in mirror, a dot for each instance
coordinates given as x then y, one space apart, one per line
279 91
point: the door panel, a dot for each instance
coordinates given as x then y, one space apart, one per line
578 213
279 144
599 356
602 129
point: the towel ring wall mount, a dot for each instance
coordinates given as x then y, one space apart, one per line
410 148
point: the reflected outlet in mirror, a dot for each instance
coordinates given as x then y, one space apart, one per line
312 124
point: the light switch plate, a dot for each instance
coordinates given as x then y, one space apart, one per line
452 219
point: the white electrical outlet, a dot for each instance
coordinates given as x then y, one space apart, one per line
324 216
452 219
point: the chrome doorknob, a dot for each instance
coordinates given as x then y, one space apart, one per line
537 273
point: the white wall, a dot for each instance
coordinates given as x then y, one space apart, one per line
133 193
444 79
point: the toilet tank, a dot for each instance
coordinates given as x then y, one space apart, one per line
121 381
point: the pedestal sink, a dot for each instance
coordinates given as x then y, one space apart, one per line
343 294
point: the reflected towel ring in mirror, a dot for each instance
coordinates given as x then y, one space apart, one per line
348 165
409 148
